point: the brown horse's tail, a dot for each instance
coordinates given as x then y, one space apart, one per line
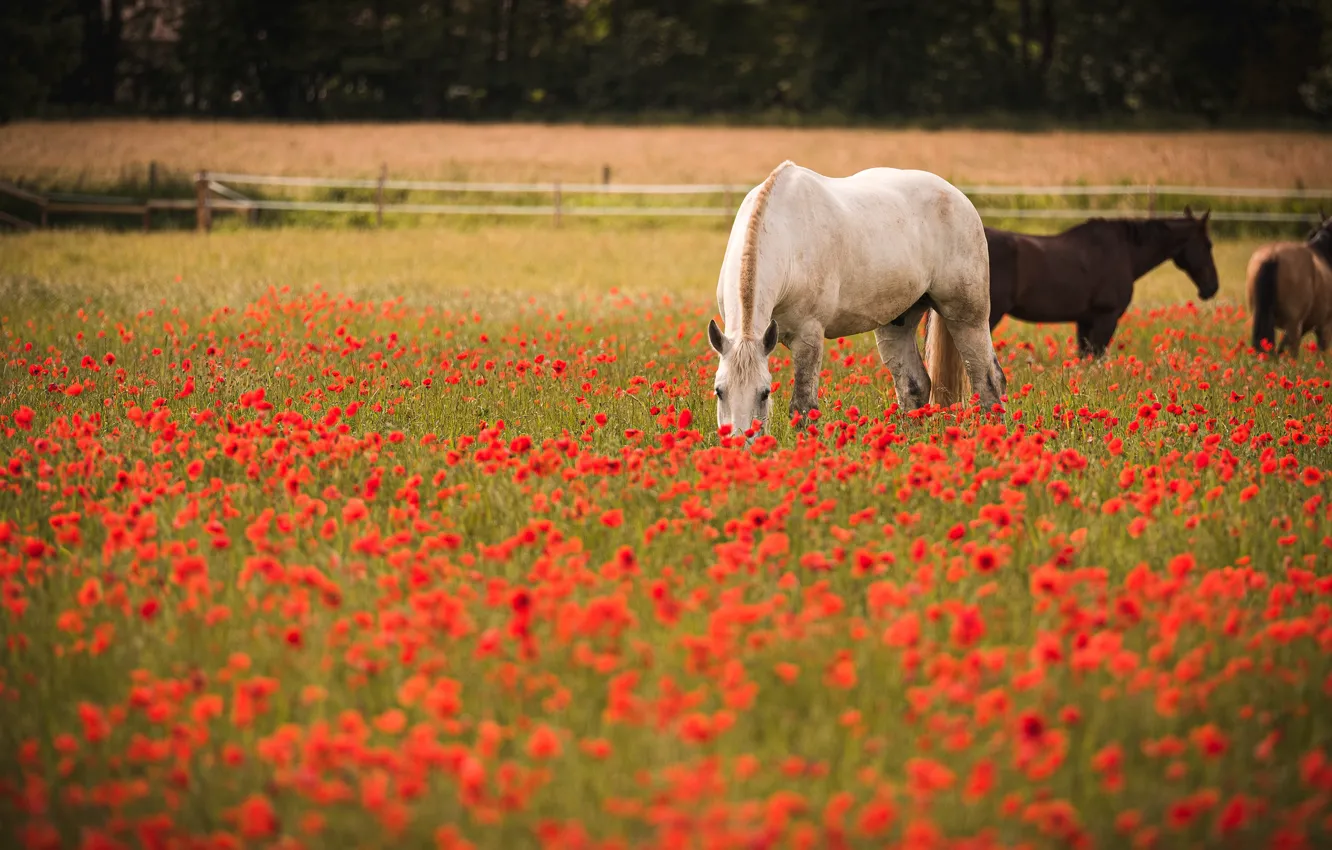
1264 304
948 377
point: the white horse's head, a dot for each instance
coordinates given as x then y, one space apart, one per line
743 385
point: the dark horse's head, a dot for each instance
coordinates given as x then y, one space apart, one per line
1320 238
1194 256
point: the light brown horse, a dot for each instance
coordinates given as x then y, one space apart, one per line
1290 287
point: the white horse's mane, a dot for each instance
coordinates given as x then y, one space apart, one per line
749 256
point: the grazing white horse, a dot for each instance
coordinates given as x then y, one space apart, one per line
813 257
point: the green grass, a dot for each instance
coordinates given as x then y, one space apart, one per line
498 264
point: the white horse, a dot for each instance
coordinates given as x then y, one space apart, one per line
813 257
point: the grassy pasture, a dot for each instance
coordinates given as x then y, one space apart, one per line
498 265
274 575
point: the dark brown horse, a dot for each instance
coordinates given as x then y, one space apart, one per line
1086 274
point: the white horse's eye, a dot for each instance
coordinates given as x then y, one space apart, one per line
763 395
719 393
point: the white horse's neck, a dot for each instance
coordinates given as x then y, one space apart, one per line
748 277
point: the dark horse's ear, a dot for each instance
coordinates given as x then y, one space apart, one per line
770 337
1188 211
716 338
1205 216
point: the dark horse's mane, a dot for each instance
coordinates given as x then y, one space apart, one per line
1138 230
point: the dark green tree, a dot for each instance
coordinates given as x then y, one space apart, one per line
1105 60
39 44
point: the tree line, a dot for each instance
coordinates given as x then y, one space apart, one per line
872 60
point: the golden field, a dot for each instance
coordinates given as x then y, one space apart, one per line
103 152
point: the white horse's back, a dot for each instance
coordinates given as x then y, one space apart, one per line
914 222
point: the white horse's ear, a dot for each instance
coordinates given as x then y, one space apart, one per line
770 338
717 338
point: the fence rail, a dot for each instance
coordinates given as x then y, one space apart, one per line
485 188
721 188
215 192
1186 191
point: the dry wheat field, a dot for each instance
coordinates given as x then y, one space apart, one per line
100 152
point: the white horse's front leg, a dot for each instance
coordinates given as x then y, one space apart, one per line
807 354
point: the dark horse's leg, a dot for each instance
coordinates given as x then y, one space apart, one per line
1084 338
1095 333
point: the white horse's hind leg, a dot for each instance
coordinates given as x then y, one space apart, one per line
977 349
898 351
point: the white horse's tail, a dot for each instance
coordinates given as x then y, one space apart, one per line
943 362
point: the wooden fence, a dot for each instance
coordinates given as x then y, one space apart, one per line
45 205
216 192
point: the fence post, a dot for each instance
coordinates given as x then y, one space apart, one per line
148 201
203 215
1151 202
379 195
41 211
727 194
605 175
559 203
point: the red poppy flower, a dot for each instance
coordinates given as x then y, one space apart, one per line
544 743
257 817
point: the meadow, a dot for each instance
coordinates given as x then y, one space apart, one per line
425 538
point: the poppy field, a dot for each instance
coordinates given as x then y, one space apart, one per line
299 556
